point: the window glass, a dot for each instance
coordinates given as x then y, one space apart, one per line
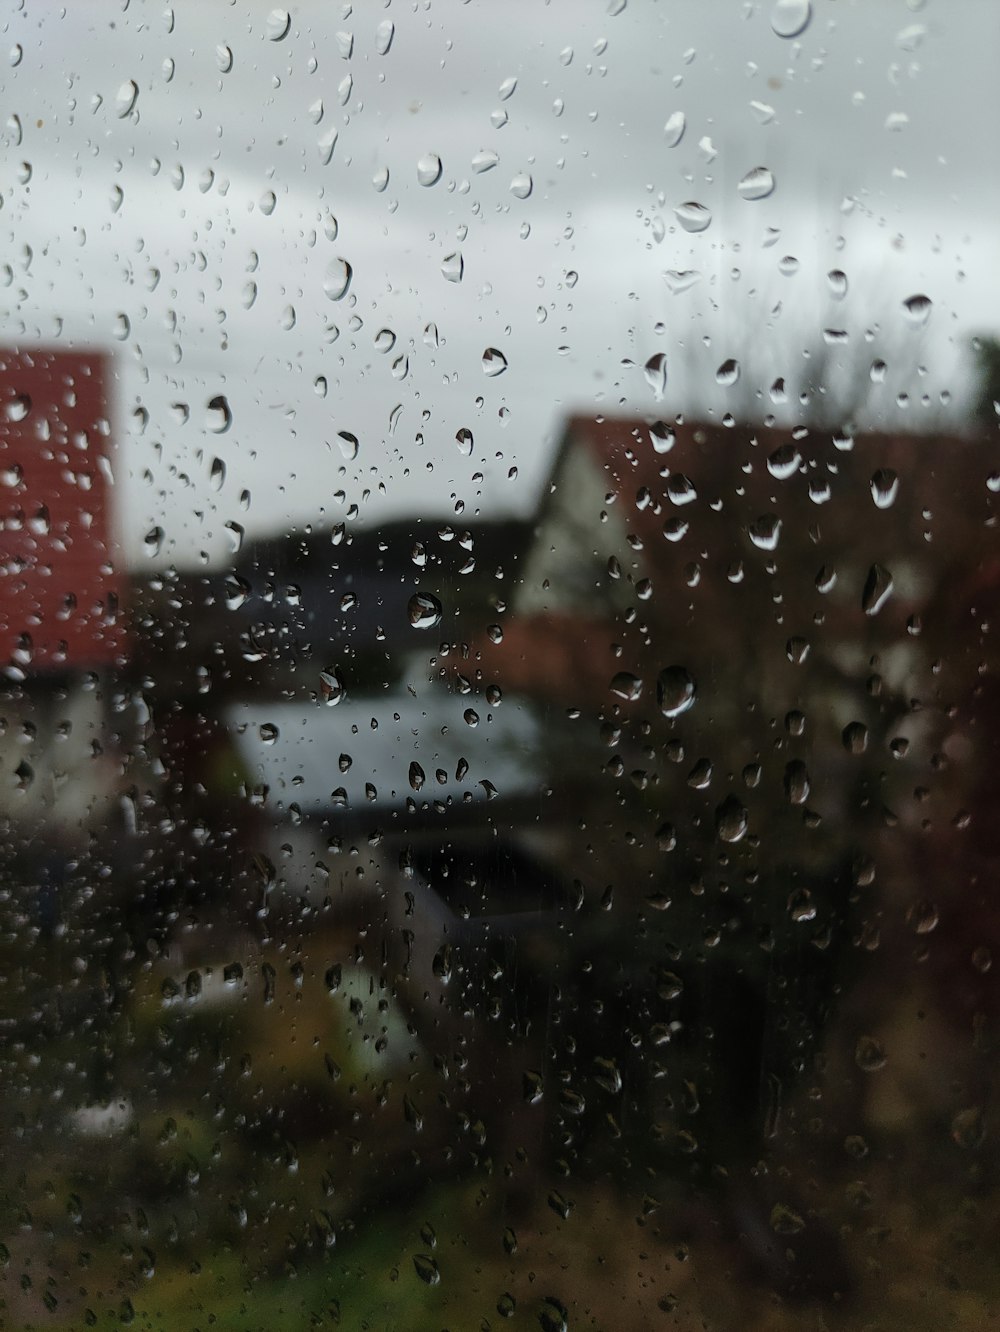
498 706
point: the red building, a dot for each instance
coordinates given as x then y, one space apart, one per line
59 580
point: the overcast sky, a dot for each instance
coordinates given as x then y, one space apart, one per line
190 181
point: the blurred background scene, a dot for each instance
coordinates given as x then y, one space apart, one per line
498 689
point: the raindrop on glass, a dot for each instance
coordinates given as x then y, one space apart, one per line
728 373
884 488
756 184
494 362
837 282
675 691
331 688
784 462
126 99
424 610
278 23
337 279
789 18
673 130
453 267
693 217
627 686
655 372
765 531
220 417
429 169
877 589
918 309
731 820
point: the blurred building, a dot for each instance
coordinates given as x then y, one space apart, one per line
63 635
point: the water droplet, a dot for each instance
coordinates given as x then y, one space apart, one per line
337 279
681 280
627 686
918 309
18 407
506 1305
122 327
855 737
884 488
217 474
675 691
237 592
348 444
789 18
235 532
494 362
758 183
968 1127
731 820
506 88
484 160
424 610
655 371
153 541
278 23
384 34
728 373
797 784
784 462
426 1268
837 282
325 145
453 267
224 59
693 216
522 185
380 179
220 417
673 130
464 441
788 265
801 905
869 1054
429 169
331 688
923 917
416 776
877 589
662 437
384 340
765 531
126 99
681 489
826 579
786 1221
267 202
797 650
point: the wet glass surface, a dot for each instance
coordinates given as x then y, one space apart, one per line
498 706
